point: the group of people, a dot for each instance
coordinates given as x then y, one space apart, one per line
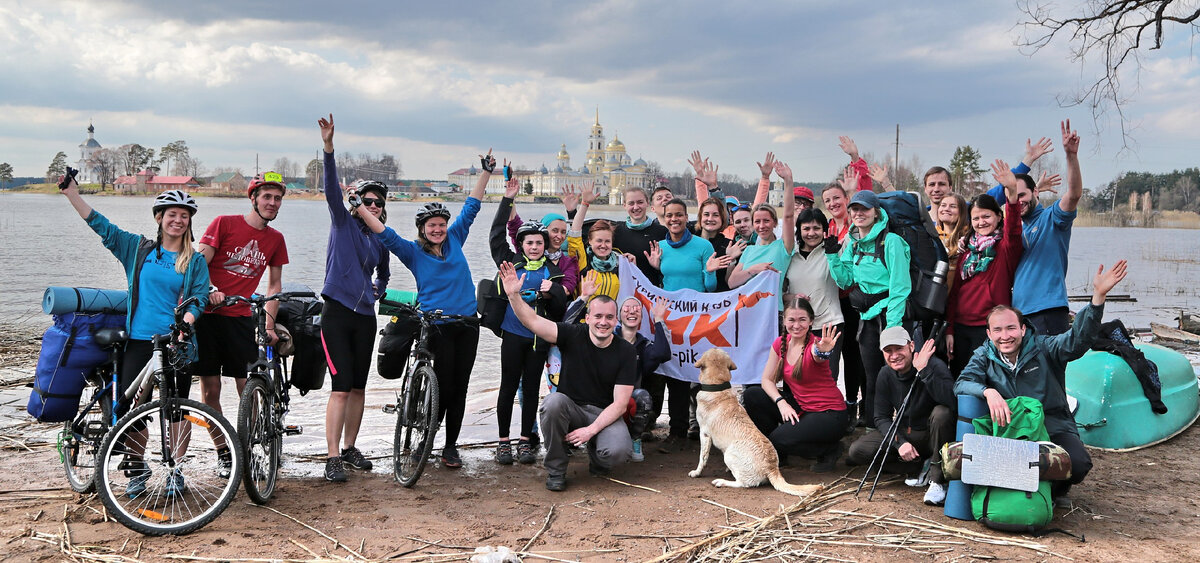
843 302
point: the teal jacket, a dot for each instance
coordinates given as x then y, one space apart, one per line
871 275
1040 371
125 245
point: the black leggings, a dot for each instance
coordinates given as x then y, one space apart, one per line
348 338
814 435
137 353
520 365
967 339
454 346
851 356
872 362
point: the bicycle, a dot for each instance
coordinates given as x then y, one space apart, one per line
155 475
264 403
416 405
81 437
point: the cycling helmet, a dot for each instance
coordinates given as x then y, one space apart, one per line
363 186
431 210
273 179
530 227
175 198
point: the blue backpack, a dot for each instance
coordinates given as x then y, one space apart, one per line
69 354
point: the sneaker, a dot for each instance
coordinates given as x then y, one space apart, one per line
935 495
450 458
828 462
922 478
354 458
637 456
598 470
137 483
334 470
556 483
175 484
504 452
525 453
224 463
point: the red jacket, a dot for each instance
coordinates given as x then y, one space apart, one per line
970 300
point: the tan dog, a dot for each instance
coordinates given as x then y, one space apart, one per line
725 424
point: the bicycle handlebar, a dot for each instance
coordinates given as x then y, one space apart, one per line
259 300
429 315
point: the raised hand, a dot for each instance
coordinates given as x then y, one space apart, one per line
659 311
829 338
879 173
587 286
785 172
588 195
698 162
921 358
1047 183
735 248
1070 138
512 188
767 165
1036 151
654 255
708 174
326 126
1003 174
510 281
847 145
570 197
1103 281
715 262
488 162
849 180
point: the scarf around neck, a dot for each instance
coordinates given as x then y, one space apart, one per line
978 253
532 265
687 236
602 265
554 256
639 226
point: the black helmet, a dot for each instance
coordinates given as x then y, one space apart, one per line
363 186
532 226
431 210
175 198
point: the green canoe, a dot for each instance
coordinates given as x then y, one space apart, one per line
1113 412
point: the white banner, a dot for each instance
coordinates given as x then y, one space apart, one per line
743 322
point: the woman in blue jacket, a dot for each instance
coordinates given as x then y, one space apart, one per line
348 315
443 279
162 273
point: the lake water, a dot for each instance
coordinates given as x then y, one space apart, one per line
44 243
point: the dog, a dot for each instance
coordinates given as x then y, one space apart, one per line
725 424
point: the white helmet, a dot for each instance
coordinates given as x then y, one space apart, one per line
175 198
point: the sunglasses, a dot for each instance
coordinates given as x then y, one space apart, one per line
371 201
740 207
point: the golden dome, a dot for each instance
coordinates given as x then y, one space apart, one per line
615 145
562 153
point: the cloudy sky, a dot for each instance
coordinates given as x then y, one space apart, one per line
434 83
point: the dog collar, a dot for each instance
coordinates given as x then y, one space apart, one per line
715 386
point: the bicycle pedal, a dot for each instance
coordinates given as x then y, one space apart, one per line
389 408
293 430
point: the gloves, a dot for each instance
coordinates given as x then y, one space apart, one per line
832 246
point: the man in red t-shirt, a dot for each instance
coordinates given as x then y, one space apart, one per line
239 249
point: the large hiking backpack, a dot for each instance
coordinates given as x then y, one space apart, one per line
68 354
302 317
1008 509
929 261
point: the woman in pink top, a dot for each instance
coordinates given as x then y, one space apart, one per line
806 416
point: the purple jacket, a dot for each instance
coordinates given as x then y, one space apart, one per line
352 254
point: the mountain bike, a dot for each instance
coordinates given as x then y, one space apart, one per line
157 474
416 405
264 403
81 437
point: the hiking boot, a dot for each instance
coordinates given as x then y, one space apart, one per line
224 463
175 484
334 470
637 456
935 495
598 470
450 458
137 483
556 483
354 458
525 453
504 452
828 461
1063 502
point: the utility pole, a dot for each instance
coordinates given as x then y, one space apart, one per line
256 163
896 163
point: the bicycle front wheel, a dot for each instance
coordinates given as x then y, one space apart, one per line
416 425
259 430
79 443
160 471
